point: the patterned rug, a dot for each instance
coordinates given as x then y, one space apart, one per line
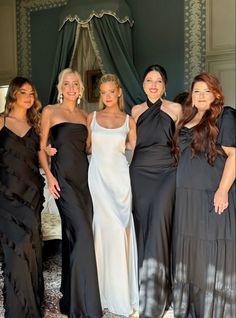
52 279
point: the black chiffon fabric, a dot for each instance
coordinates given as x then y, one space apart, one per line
21 199
79 284
204 249
152 174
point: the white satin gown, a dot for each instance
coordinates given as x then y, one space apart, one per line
114 234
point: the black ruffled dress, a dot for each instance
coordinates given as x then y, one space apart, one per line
21 199
204 242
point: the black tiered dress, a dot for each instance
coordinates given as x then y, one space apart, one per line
153 184
21 199
204 255
79 284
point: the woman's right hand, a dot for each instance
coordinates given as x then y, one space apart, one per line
50 151
53 186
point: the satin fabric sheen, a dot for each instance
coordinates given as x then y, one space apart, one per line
153 174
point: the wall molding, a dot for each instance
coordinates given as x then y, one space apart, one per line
194 39
23 11
8 62
213 45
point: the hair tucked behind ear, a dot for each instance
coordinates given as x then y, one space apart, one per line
206 132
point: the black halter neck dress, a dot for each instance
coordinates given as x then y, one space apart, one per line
152 173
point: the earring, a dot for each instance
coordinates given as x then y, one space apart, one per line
78 100
165 94
61 98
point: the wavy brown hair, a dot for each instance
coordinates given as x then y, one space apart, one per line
206 132
33 113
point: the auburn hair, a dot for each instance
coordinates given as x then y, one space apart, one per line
206 131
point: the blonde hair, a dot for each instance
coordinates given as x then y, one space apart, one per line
111 78
61 79
33 113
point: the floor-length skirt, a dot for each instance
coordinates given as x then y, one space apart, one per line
22 261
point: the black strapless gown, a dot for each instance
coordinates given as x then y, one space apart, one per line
79 284
21 199
204 242
152 173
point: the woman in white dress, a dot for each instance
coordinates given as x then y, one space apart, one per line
110 132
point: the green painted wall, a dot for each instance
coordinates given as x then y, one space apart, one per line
158 37
44 32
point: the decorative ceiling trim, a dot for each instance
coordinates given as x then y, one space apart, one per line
194 39
23 11
97 15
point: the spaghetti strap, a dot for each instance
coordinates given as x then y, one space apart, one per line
93 120
4 121
127 122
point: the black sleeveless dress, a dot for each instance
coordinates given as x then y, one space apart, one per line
21 199
79 284
152 173
204 242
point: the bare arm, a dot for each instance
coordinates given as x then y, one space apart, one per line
227 179
131 142
53 185
88 142
1 122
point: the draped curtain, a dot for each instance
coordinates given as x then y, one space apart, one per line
65 46
97 34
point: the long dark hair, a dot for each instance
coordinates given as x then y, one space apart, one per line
206 132
33 113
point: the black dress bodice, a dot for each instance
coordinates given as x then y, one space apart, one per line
19 167
71 158
155 130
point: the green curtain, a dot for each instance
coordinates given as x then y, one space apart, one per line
65 46
114 46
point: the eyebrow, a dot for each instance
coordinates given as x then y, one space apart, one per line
25 90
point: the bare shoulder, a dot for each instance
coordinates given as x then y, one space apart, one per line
137 110
84 114
174 110
90 117
50 109
175 107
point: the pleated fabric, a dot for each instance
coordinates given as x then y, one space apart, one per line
21 199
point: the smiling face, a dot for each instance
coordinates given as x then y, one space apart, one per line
70 87
153 85
202 96
110 92
25 96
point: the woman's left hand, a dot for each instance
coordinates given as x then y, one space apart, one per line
221 201
50 151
